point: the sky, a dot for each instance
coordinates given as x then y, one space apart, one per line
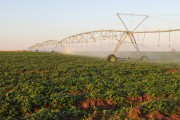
27 22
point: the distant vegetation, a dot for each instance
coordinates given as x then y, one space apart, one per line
55 86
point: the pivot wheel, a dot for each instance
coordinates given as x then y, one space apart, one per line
144 58
111 58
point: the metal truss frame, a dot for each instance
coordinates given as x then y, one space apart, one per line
120 36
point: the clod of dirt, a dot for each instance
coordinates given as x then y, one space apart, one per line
172 71
90 103
135 113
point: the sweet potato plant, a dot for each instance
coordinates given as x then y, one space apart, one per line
56 86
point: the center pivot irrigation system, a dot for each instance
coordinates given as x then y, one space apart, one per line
121 36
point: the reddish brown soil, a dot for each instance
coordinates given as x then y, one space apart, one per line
136 113
73 93
36 109
172 71
147 98
100 102
8 90
158 116
90 103
139 99
155 115
175 117
85 104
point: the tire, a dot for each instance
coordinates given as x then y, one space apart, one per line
111 58
144 58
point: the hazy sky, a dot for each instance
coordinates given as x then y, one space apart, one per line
26 22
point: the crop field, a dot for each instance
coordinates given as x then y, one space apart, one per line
56 86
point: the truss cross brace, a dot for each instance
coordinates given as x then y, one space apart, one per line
129 33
